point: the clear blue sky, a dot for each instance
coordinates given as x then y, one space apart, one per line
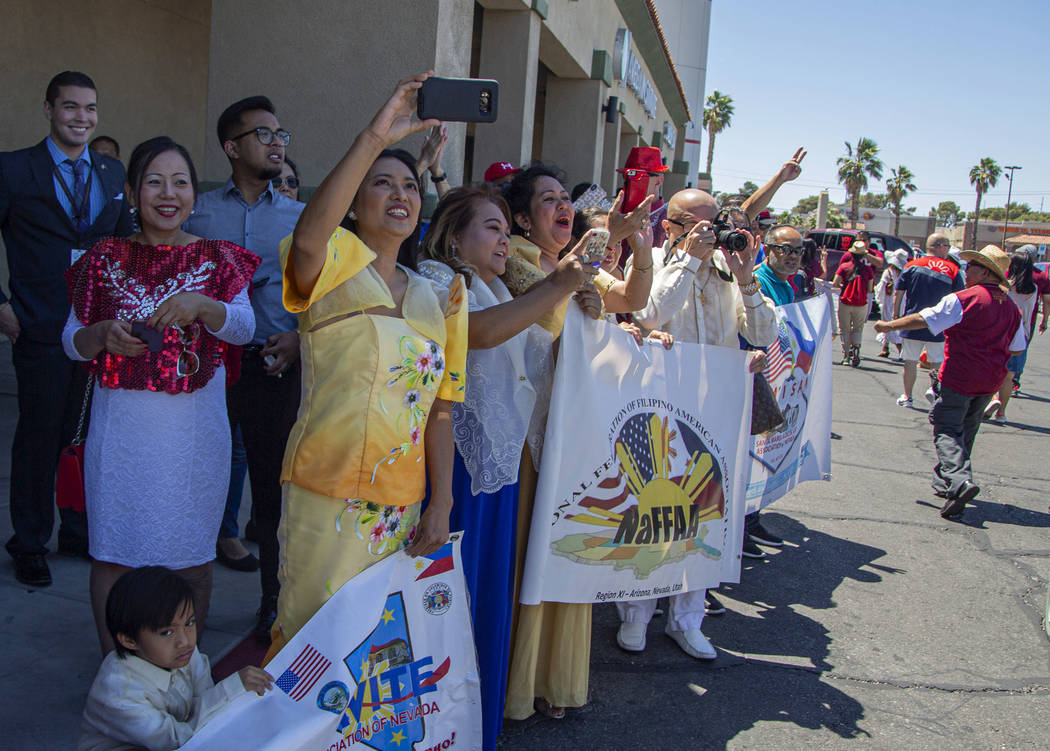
938 84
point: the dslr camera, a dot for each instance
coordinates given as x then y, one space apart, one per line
727 236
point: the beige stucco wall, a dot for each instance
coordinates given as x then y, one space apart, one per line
149 61
329 68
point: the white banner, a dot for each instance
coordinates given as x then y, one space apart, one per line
388 663
641 481
799 372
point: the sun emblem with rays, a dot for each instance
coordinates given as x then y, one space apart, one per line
668 506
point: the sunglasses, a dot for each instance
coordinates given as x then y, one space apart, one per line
291 181
266 135
188 363
791 250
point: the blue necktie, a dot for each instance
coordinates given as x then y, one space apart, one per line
80 211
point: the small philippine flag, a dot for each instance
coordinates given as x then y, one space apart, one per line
303 673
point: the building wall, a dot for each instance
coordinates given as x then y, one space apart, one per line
329 67
149 61
989 231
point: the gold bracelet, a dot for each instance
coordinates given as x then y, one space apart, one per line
751 287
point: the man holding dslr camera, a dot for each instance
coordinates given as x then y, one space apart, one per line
704 291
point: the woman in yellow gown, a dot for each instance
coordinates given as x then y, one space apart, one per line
383 356
551 642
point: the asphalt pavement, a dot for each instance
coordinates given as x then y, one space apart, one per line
878 624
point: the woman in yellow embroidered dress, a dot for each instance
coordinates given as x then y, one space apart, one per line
383 356
551 642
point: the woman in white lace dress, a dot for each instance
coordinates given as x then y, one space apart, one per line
509 367
151 315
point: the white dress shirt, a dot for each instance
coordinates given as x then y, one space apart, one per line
133 704
692 302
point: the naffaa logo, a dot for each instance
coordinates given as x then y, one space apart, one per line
655 499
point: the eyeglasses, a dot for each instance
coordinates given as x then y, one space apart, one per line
266 136
291 181
188 363
791 250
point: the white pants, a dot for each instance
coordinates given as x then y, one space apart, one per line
684 611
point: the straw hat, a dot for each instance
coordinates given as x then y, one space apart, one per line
859 249
993 258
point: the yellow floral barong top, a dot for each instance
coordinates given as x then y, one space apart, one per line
369 380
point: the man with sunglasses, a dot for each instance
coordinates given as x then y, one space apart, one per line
783 259
249 211
921 285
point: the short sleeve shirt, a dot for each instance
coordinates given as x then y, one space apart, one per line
924 282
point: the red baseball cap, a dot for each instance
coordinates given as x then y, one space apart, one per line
497 170
647 158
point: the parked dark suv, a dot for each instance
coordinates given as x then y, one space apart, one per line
838 241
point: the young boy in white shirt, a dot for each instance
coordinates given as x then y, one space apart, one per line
155 690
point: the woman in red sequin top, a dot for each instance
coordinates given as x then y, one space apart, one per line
152 315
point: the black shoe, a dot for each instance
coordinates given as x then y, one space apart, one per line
267 615
31 569
711 604
751 550
763 536
245 563
956 504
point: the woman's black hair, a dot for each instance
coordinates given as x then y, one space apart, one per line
144 154
520 190
408 253
295 170
145 599
580 189
1021 272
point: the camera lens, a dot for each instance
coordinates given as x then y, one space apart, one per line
732 240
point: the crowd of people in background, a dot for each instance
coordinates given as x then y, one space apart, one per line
382 380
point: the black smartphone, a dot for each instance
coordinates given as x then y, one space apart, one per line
153 339
459 100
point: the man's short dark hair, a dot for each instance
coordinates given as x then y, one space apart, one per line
67 78
145 599
230 121
104 139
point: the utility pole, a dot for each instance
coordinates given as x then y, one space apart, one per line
1009 192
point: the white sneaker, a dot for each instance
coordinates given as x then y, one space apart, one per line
930 396
992 408
631 636
904 401
693 643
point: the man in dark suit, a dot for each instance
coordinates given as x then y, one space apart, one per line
56 199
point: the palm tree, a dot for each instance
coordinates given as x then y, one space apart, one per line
855 168
982 177
899 185
718 112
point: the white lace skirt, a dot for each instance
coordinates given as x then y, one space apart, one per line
156 474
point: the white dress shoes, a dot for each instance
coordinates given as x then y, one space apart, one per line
693 643
631 636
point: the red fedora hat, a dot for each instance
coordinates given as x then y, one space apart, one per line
646 158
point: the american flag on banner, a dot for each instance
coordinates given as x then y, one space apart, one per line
779 356
303 673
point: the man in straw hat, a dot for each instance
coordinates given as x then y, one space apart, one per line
982 328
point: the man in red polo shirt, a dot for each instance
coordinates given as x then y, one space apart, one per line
982 328
855 276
